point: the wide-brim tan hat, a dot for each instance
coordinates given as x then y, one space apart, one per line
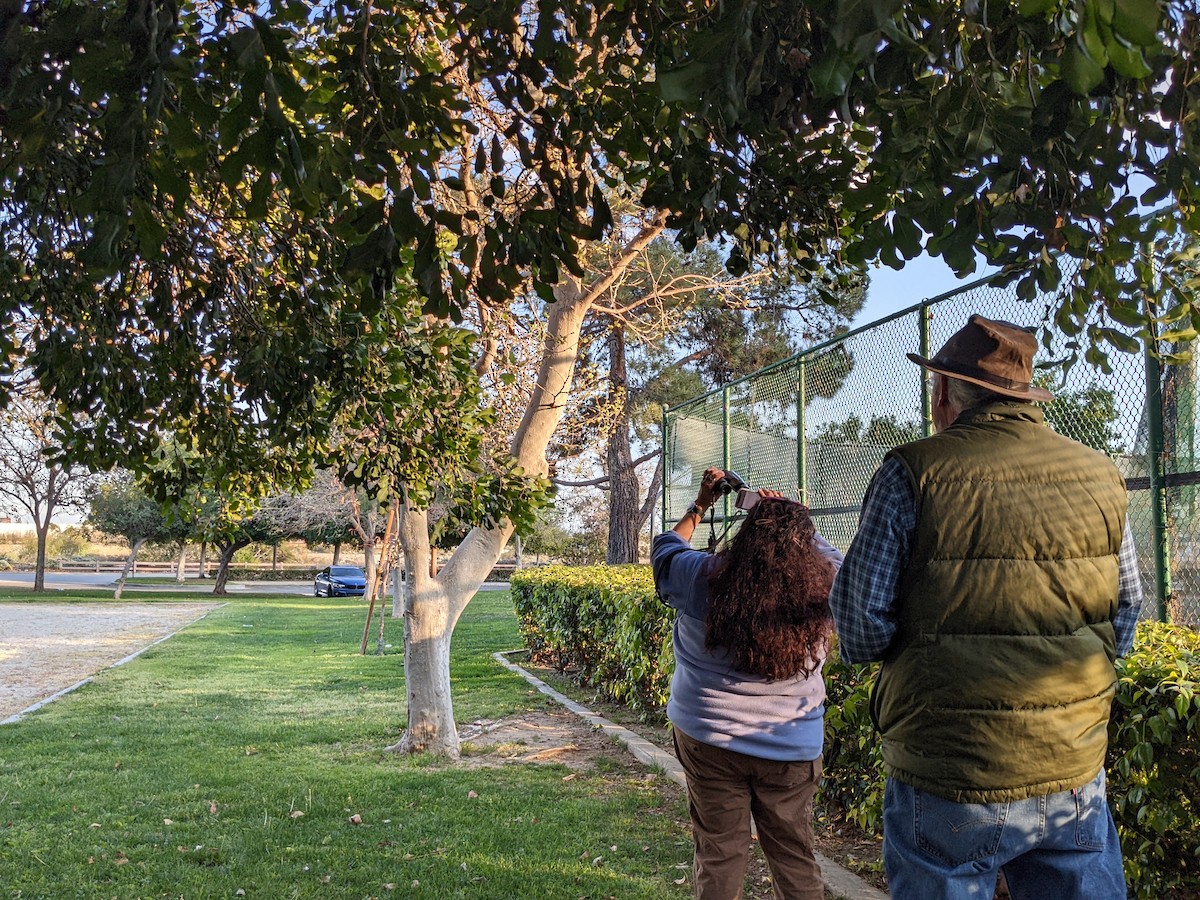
993 354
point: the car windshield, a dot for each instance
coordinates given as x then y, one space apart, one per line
346 571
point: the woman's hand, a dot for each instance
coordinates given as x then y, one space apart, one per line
704 496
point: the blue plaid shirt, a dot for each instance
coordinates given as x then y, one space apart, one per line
864 592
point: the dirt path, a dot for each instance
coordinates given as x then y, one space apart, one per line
46 647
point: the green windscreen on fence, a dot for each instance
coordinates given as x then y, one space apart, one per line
816 427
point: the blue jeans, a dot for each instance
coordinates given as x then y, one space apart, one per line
1060 846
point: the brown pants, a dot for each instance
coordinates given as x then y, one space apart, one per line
724 788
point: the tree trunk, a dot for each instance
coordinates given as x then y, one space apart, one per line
436 603
337 552
223 567
181 563
517 551
129 561
624 491
275 558
203 563
39 569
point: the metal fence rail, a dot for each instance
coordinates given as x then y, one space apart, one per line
816 426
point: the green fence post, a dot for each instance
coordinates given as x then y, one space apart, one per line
666 484
801 443
925 317
1155 454
725 444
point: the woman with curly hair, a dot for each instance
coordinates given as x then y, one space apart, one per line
747 698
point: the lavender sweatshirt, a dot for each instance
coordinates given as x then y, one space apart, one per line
710 700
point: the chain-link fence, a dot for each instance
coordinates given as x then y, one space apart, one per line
854 398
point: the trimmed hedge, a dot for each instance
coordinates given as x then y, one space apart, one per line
602 623
605 625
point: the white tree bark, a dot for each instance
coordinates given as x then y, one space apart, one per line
181 563
129 560
435 602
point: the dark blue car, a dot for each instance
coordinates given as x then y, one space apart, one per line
340 581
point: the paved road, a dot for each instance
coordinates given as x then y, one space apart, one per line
56 580
67 580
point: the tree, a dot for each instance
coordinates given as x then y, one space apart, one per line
1088 414
119 506
879 431
674 327
1009 131
218 220
33 477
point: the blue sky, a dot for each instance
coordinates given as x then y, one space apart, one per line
920 279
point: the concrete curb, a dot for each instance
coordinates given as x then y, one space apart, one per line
839 881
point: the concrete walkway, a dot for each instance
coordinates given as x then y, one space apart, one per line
839 881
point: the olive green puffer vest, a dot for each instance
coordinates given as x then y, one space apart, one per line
999 684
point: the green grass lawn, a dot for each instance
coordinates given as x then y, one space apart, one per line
232 757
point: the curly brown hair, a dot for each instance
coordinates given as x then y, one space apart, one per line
769 598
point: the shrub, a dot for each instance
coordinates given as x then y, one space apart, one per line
1154 761
603 623
852 775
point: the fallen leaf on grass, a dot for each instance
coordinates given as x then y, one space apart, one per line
212 807
325 879
355 819
295 814
389 886
471 795
570 777
168 822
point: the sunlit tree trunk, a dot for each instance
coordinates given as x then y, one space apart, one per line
227 554
435 603
129 561
181 563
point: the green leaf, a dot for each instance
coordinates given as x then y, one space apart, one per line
1079 72
1137 21
1127 61
686 83
1036 7
832 73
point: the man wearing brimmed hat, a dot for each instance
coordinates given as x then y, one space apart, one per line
994 576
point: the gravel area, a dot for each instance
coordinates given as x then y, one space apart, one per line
48 647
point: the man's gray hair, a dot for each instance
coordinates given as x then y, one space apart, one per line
965 395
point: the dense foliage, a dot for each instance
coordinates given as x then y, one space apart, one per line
601 623
606 626
1154 761
214 209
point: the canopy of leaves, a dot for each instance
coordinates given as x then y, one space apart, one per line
1008 129
120 506
207 205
